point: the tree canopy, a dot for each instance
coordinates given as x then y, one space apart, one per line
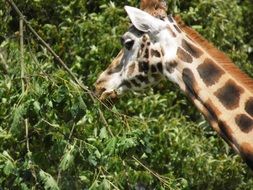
52 135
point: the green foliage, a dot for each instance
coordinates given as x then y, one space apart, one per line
52 135
48 181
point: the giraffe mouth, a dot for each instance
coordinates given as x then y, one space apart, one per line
108 95
104 95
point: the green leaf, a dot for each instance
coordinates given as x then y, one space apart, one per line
126 143
4 135
68 158
111 146
9 164
103 133
83 178
17 118
24 186
48 181
36 105
105 184
9 167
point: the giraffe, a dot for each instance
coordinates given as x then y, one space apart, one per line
156 49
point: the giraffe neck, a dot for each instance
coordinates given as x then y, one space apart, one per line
220 91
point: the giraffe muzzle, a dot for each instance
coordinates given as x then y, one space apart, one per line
111 95
104 95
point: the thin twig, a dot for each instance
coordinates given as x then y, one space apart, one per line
61 63
115 187
32 168
22 64
161 179
50 124
71 132
22 75
27 135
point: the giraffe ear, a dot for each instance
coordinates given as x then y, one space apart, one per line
144 21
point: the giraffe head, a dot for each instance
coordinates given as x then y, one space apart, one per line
132 69
141 62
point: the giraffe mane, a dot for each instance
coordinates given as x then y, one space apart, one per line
221 58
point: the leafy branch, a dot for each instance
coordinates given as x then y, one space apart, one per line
60 62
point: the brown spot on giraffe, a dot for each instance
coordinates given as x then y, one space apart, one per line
135 83
191 49
160 67
143 79
153 69
184 56
249 106
145 38
143 66
146 55
131 69
244 122
127 84
155 53
170 66
190 83
246 150
229 95
142 49
209 72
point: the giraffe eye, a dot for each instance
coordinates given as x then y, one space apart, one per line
128 44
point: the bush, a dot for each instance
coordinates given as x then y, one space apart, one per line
52 135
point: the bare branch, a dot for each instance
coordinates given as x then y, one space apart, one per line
22 63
